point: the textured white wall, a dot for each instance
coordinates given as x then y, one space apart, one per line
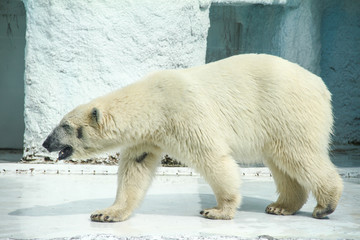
78 50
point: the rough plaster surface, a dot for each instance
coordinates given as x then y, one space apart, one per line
78 50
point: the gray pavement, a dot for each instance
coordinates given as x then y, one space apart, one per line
56 200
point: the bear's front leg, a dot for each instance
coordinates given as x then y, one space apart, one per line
136 170
223 176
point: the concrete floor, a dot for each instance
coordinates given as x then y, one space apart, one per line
56 200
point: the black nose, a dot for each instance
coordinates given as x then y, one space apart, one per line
46 144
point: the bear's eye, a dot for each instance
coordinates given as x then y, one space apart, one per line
66 127
80 132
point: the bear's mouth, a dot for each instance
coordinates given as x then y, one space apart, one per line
65 152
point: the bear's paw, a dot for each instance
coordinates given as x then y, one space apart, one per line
215 213
108 215
322 212
278 209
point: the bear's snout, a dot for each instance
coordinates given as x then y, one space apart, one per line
52 143
46 144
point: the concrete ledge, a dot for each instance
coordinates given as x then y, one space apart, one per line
67 169
70 169
291 3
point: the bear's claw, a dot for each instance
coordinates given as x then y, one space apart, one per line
98 218
204 213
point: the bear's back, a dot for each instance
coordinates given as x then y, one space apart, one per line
262 98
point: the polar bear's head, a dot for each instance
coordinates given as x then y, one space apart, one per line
80 133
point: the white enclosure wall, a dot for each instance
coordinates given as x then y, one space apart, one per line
78 50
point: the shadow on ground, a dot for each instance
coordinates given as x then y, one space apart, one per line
162 204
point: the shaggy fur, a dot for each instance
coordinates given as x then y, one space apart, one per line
246 108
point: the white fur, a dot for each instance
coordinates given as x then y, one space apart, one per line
246 108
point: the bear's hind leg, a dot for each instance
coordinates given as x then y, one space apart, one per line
223 176
327 188
319 175
314 172
292 196
136 170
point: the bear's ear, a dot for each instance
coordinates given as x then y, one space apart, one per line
96 115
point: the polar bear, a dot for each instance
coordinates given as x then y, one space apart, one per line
246 108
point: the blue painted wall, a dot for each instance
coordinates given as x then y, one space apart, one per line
321 36
12 66
340 65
